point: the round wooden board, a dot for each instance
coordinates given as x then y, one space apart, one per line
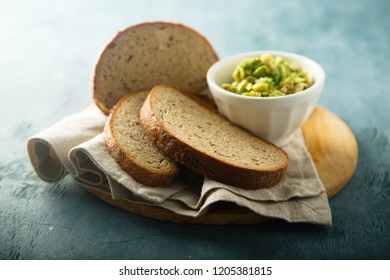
332 146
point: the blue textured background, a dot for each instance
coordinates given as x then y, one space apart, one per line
47 52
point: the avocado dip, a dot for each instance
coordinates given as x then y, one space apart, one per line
267 76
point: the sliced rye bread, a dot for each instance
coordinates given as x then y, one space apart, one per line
149 54
128 144
204 141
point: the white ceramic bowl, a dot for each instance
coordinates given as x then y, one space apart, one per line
272 118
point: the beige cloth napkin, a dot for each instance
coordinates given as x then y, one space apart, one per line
76 146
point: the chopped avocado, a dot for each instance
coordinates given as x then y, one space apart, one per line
267 76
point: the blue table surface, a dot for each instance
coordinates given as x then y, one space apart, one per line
47 53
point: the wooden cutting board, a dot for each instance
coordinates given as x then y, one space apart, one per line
332 146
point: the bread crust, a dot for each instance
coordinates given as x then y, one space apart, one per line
96 94
202 163
134 169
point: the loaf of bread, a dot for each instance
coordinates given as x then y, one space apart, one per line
128 144
149 54
204 141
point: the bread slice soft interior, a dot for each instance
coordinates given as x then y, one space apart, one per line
201 139
128 144
149 54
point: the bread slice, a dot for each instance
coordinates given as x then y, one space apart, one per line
128 144
204 141
149 54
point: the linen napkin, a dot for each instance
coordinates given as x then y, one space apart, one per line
75 146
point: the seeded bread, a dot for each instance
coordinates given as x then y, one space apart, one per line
149 54
128 144
204 141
